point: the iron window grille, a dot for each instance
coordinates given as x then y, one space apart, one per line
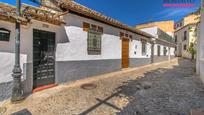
4 34
165 51
144 48
185 47
94 42
185 36
158 50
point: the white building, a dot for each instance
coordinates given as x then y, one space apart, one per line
164 45
184 37
186 34
200 48
85 44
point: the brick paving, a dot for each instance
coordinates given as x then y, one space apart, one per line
168 88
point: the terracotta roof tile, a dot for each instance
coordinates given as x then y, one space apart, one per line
32 12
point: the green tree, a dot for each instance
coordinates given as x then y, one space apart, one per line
192 50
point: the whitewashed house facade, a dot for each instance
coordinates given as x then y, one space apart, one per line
84 44
185 36
164 44
200 46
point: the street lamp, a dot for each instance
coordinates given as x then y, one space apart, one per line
17 92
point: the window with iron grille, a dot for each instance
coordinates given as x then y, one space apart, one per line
94 42
176 38
144 48
184 47
185 36
165 51
158 50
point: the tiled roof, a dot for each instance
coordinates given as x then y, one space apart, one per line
8 13
185 26
82 10
47 16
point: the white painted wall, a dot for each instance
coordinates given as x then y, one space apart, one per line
154 32
172 51
136 49
200 57
151 30
71 43
7 48
76 48
181 43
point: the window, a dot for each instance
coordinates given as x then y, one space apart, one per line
165 51
86 26
122 34
177 25
93 27
158 50
130 36
184 47
176 38
185 35
126 35
4 34
94 42
144 48
100 29
180 24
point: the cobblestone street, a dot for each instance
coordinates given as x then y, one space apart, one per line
167 88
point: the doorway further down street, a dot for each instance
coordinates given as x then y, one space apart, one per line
167 88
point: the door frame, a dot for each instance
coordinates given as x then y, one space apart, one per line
54 51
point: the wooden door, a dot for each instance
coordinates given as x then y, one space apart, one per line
43 58
125 53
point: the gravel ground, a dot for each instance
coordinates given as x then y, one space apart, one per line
167 88
165 92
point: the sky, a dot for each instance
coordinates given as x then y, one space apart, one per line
133 12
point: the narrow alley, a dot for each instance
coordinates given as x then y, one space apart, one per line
167 88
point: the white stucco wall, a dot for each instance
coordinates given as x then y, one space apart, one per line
180 42
76 48
200 61
136 49
71 43
7 48
151 30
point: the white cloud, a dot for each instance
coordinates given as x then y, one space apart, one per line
173 12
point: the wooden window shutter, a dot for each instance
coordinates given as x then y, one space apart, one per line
126 35
130 36
86 26
93 27
121 34
100 29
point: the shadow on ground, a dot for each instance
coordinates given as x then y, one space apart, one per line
165 91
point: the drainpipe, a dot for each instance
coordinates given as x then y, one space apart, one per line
153 41
17 92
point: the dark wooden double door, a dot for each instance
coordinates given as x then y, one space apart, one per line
43 58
